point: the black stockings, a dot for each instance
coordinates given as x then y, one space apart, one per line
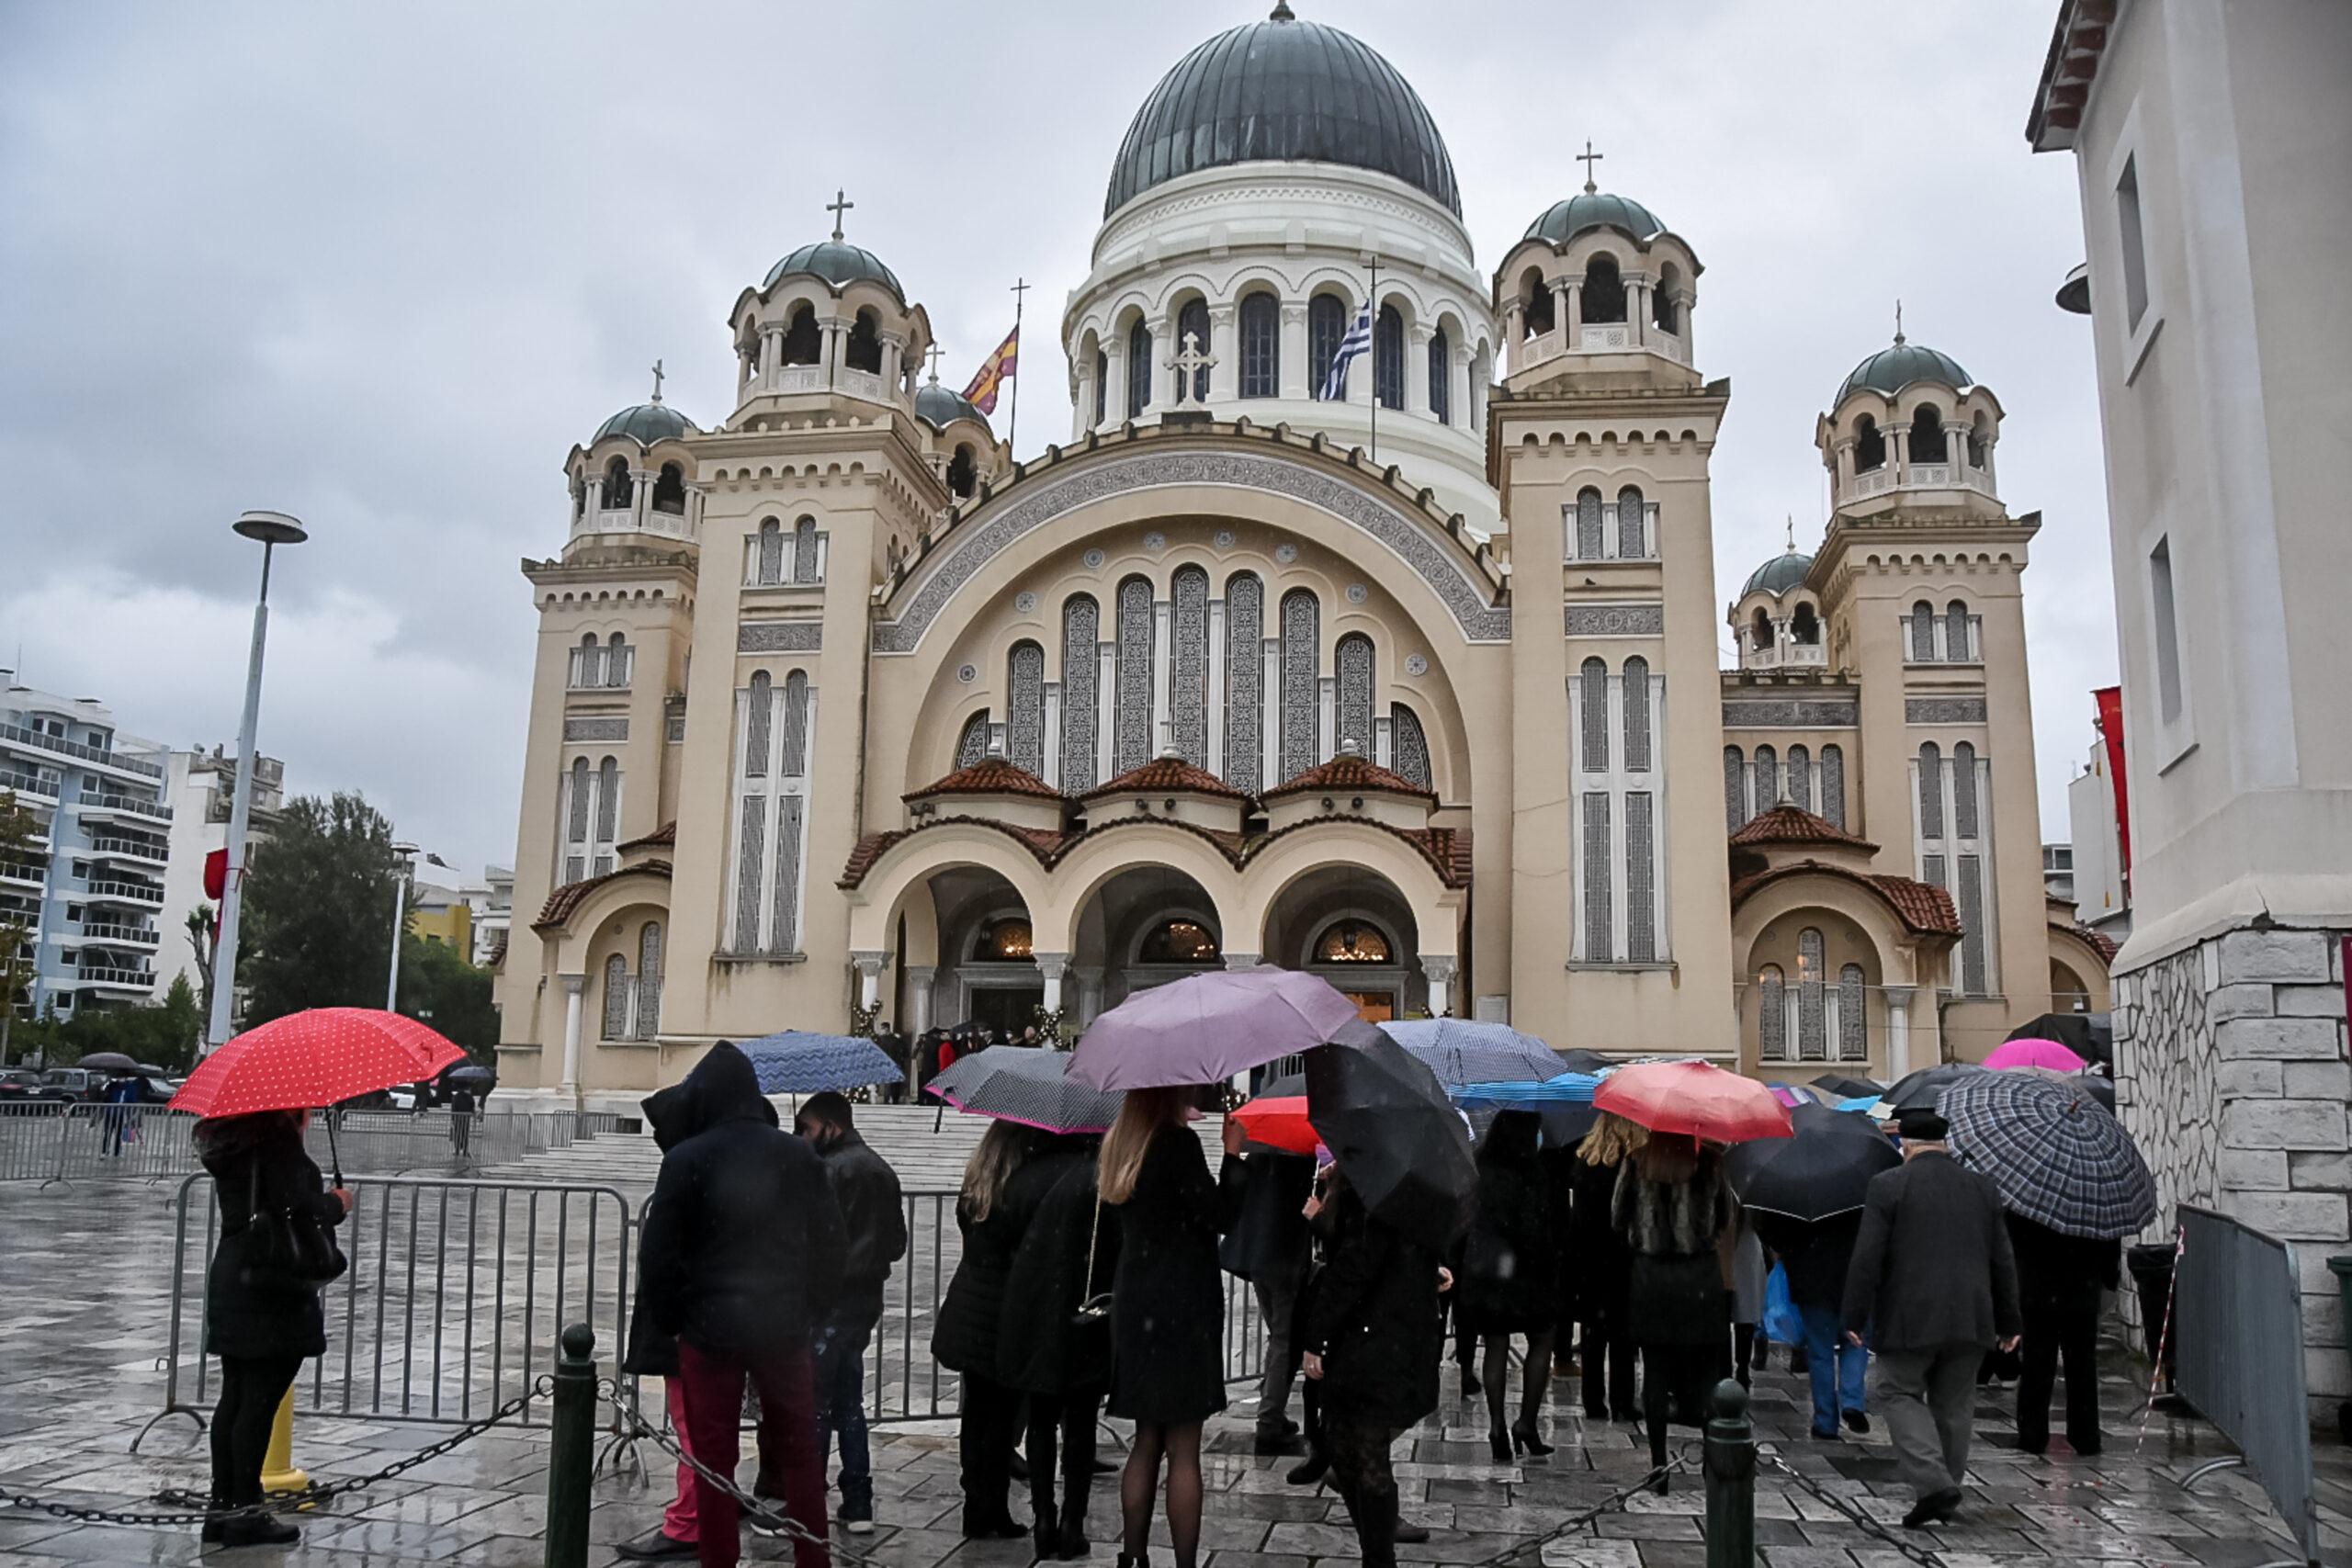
1361 1472
1536 1378
250 1389
1139 1483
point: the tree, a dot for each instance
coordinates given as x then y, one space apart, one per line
439 987
318 909
203 931
162 1034
17 827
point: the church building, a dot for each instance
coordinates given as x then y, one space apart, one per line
1365 622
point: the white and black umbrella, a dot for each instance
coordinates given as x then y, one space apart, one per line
2057 1156
1033 1088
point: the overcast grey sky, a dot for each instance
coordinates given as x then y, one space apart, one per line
383 265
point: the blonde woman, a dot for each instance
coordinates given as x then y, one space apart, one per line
1604 1266
1168 1308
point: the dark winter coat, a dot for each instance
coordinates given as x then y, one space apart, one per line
1267 1239
652 1352
1932 1265
1507 1278
1037 1352
251 1305
1168 1301
742 1247
1374 1320
1816 1255
1604 1263
965 1338
874 1216
1681 1232
2062 1276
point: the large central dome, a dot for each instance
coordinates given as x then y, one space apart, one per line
1286 91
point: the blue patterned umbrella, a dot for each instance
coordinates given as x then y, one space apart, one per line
1564 1089
1464 1051
2057 1156
796 1061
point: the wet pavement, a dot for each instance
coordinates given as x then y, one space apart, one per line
84 1313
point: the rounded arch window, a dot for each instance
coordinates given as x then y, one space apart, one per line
803 344
1442 376
1180 940
1138 368
1928 445
1262 346
1759 631
1535 297
1192 333
670 490
1389 358
1805 626
1353 942
1603 296
1326 323
1664 312
1980 441
865 348
1870 446
1004 940
619 491
961 473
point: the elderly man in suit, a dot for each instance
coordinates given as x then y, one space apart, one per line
1934 1282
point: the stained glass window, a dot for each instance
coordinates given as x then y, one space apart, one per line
1637 714
1641 879
804 550
1600 929
615 998
1813 1038
758 715
1245 631
1261 346
1833 785
1801 777
1963 790
1081 620
795 760
1004 941
1326 323
1409 747
1772 1015
1302 671
1353 657
1767 779
1632 534
1853 1020
1735 790
1923 632
1188 659
1590 509
1131 700
1972 925
1138 369
1388 358
1931 791
1024 716
973 746
1441 377
1592 715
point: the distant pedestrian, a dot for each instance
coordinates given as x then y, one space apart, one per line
1046 1353
1673 1210
1507 1278
1604 1271
1269 1246
1817 1258
741 1253
261 1313
1935 1282
2061 1284
874 1222
121 1120
652 1352
461 1120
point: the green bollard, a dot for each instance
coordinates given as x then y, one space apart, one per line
1731 1481
571 1449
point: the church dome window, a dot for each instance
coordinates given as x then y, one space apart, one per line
1326 323
1927 443
1003 940
1665 306
1759 631
1353 942
620 491
1138 368
961 473
1262 346
1389 358
1870 446
864 350
1441 377
1805 626
670 490
1101 383
1980 441
1604 291
1535 295
1192 335
803 344
1179 942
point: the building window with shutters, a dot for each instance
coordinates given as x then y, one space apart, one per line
1245 682
1952 836
766 879
1081 691
1131 737
1619 796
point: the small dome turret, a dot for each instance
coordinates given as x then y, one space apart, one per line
828 320
1776 621
1901 365
647 423
839 264
940 407
1780 574
1591 208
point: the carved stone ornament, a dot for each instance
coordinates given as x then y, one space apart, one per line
780 637
596 729
1943 710
1616 620
1791 713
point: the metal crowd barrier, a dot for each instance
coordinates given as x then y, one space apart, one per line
2238 1321
50 1142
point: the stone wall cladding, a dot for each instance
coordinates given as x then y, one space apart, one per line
2233 1071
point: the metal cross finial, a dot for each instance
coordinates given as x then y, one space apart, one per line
839 205
1793 532
1281 13
1898 322
1020 287
932 353
657 380
1588 158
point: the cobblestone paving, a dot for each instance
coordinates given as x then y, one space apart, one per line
84 1305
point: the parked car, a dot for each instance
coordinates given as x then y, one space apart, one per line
23 1088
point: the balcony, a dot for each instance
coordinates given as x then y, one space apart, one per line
109 977
20 875
97 806
138 894
794 378
623 520
108 933
1788 656
1886 478
17 736
31 787
138 851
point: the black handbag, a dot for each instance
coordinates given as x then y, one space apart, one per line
293 1245
1089 1325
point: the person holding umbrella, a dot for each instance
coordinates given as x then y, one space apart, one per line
1604 1270
2061 1283
1509 1278
1676 1216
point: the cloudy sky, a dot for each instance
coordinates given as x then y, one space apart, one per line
382 266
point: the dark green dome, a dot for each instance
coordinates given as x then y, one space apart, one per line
1564 221
840 263
1286 91
939 406
1891 369
645 424
1778 575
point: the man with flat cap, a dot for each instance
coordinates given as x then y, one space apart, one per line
1933 1282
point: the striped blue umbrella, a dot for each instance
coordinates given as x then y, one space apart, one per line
794 1060
1464 1051
1563 1089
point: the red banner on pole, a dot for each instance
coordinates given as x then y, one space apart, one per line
216 874
2110 730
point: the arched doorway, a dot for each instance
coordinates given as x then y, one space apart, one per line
1142 927
988 973
1353 928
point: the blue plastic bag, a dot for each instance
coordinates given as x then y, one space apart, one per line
1781 1324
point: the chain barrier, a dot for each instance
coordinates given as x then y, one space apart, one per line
1610 1504
1848 1510
194 1508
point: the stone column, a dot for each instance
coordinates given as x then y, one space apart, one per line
893 346
1417 370
921 977
1294 367
1441 972
1089 992
1164 347
1575 325
1225 346
869 965
1243 960
770 369
1466 394
832 334
1898 1030
1637 312
1899 453
1561 305
640 494
1515 333
1114 384
1052 965
575 1001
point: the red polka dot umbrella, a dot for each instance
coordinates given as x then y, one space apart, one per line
309 1060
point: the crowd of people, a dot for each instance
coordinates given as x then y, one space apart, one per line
923 1056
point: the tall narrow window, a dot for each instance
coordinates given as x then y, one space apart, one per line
1928 445
770 567
1599 921
1441 377
752 812
647 1023
1353 657
1102 385
1138 369
1870 446
804 550
1963 790
1131 735
619 662
1245 679
1971 899
1604 291
1388 358
1853 1020
1081 691
616 998
575 830
1025 716
619 491
760 705
670 490
803 344
1409 747
1931 791
1633 534
1193 332
1590 525
1812 1039
1536 312
972 746
863 349
588 664
1261 346
1767 779
1592 715
2132 243
1637 714
1801 777
1735 790
2167 630
1302 672
1923 632
1326 323
1833 785
784 934
1188 664
608 804
771 789
1772 1015
1641 879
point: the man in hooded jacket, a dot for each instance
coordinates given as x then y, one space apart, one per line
652 1353
741 1253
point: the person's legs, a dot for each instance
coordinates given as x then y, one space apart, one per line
1139 1485
1041 1443
985 1440
1593 1356
1658 1375
1496 1375
1910 1425
1277 1293
841 1409
678 1518
1535 1381
1854 1374
267 1379
2038 1369
788 1434
1823 1331
1622 1399
227 1488
714 1395
1184 1489
2078 1340
1743 1351
1367 1486
1077 1469
1951 1393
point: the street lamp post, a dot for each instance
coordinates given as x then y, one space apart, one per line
273 529
399 925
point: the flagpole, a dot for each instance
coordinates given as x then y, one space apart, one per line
1372 310
1013 419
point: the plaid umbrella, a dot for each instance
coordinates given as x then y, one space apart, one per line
2058 1158
1033 1088
794 1060
1464 1051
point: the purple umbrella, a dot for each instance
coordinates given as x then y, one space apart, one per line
1206 1028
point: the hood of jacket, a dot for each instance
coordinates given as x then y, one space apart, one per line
665 1114
724 1087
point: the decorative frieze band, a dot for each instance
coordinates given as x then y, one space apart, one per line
780 637
596 729
1616 620
1943 710
1791 713
1411 539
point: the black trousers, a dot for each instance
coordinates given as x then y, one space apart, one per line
992 1421
1676 1379
2051 1333
1608 1374
1361 1472
1067 1423
250 1389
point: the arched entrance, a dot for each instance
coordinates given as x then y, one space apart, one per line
1354 929
988 973
1142 927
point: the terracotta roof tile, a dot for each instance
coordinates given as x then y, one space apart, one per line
662 838
990 775
569 896
1347 773
863 855
1922 908
1787 824
1045 844
1164 774
2102 944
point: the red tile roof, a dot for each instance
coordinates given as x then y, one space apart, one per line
1164 775
1923 910
569 896
1348 773
2101 943
1787 824
662 838
990 775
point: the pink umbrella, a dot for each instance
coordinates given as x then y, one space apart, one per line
1206 1028
2046 1054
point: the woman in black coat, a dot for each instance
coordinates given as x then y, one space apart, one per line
261 1313
1002 1192
1508 1277
1373 1338
1066 1258
1168 1308
1604 1266
1673 1210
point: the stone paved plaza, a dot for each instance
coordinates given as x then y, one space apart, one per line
83 1311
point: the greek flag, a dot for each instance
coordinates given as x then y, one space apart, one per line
1357 342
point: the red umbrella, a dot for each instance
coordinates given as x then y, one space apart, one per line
307 1060
1279 1122
1695 1100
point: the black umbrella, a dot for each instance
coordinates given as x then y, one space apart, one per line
1923 1091
471 1075
1824 1170
2072 1030
113 1062
2102 1026
1849 1087
1583 1061
1395 1135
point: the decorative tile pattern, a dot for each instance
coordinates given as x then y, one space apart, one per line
973 745
608 801
1082 626
1616 620
1093 559
1409 747
1357 593
1188 657
1833 786
1943 710
1436 562
1791 713
1245 716
794 762
1923 632
1302 672
590 729
1630 543
1767 778
1600 929
750 858
615 998
1024 717
1589 525
1353 657
1224 538
1734 789
1285 554
771 559
1024 602
1131 700
780 637
804 551
1155 541
1415 665
1637 714
1640 878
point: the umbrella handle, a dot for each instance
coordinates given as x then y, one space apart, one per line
334 1155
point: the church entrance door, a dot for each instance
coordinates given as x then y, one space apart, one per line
1008 1009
